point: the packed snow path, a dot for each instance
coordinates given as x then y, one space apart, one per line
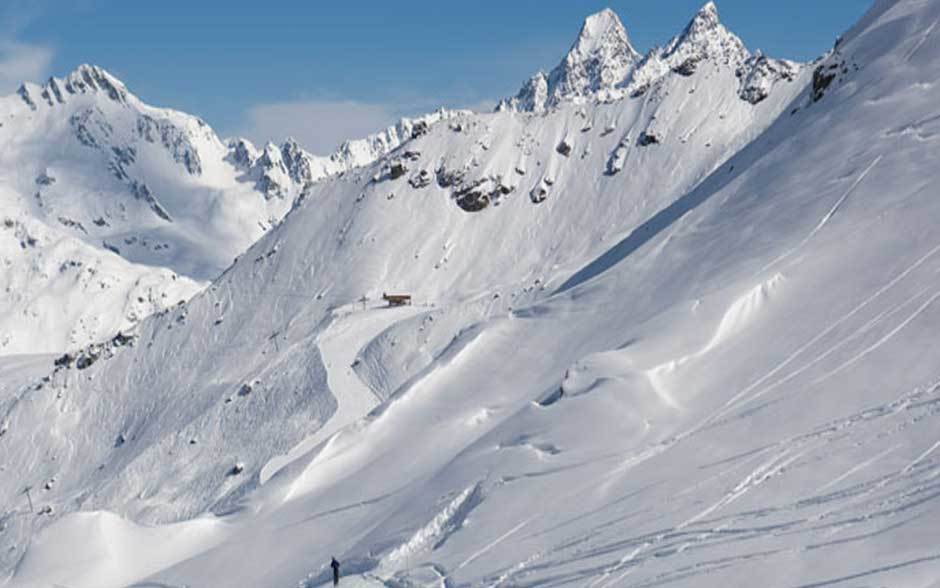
352 327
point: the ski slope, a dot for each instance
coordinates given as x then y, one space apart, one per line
712 365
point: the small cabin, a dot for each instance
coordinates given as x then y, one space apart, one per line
397 299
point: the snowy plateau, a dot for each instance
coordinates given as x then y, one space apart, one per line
675 323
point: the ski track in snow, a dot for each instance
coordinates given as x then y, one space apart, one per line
653 547
825 219
858 468
920 41
736 400
873 347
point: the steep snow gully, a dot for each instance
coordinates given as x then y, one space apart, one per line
674 324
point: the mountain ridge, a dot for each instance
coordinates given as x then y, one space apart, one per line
682 338
152 202
615 70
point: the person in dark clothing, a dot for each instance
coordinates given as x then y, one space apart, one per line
335 565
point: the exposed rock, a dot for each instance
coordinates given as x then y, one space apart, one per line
242 154
421 179
44 179
420 128
617 159
823 76
759 75
688 66
532 97
72 224
88 79
448 178
64 361
24 94
122 158
599 59
174 139
647 138
88 357
479 194
396 170
142 192
539 193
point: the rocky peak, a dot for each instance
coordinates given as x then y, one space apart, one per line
602 32
532 97
242 153
297 162
600 59
705 37
86 79
271 157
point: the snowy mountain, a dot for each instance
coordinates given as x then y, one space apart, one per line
112 209
678 336
603 66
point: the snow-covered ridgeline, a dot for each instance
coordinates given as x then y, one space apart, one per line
603 65
112 209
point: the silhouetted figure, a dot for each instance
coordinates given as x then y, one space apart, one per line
335 565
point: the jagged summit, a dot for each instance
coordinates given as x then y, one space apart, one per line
602 34
603 65
705 36
709 8
600 58
85 79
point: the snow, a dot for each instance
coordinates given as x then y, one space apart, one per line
112 210
715 364
340 345
102 548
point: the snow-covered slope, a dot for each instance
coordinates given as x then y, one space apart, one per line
112 209
675 338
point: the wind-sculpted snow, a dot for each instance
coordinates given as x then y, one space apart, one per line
694 361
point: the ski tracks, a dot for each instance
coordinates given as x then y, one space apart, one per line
742 397
825 219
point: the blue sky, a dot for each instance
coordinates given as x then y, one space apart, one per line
323 71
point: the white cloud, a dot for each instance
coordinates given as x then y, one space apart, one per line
481 106
319 126
21 62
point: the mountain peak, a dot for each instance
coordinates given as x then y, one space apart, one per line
85 79
599 25
603 65
600 58
709 10
705 36
705 19
92 78
532 97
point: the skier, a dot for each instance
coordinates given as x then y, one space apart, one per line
335 565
